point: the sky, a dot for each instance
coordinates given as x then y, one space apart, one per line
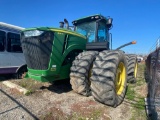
132 19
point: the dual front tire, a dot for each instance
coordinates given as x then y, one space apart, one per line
103 75
81 72
109 77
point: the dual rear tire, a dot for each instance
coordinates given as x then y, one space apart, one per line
132 68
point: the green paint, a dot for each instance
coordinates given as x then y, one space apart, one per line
66 46
57 69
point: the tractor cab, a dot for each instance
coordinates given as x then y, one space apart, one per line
96 29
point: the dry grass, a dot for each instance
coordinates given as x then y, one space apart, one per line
136 94
31 85
88 109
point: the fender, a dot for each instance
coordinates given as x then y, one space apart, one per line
24 65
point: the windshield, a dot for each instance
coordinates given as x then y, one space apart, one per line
88 30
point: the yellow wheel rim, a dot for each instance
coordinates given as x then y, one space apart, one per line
135 70
120 78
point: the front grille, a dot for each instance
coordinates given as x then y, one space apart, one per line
37 50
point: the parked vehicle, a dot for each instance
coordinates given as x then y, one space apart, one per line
140 59
84 55
11 57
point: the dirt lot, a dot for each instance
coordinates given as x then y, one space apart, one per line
46 101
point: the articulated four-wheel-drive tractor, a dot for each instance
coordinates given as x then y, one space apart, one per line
84 55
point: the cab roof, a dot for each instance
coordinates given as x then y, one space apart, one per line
89 19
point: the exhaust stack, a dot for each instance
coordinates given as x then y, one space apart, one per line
61 24
66 23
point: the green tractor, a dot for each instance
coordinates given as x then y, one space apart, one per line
84 55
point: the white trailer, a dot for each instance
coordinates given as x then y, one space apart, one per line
12 60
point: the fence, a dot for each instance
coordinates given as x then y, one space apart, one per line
153 78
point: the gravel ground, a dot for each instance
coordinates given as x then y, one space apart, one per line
12 106
63 104
59 102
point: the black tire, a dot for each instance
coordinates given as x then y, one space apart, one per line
132 68
80 72
21 72
105 76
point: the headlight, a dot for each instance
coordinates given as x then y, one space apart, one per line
32 33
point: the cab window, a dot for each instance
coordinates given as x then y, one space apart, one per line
102 32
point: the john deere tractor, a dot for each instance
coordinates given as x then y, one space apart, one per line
82 54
